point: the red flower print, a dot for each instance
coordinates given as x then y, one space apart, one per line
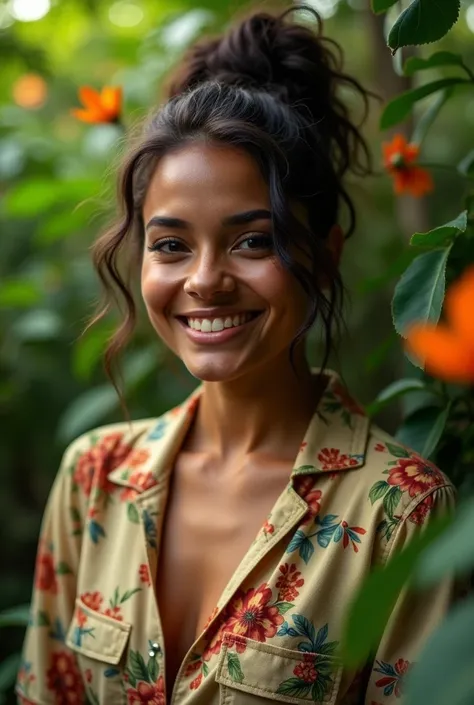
192 667
95 464
251 615
306 671
267 527
194 685
214 639
143 480
63 679
288 582
45 576
144 574
138 457
380 448
350 535
88 675
93 600
392 680
303 446
414 475
333 459
114 612
24 701
418 515
151 693
81 617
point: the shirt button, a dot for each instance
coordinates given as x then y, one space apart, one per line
154 649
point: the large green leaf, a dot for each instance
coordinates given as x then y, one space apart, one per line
440 58
452 553
442 235
436 431
444 670
375 600
19 293
416 428
399 108
423 22
393 391
419 294
429 116
33 197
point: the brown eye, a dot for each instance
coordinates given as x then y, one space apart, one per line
256 242
168 246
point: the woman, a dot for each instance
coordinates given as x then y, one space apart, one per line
209 556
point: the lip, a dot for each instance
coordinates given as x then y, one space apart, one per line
218 336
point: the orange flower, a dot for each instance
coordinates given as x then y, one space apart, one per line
103 106
448 348
399 159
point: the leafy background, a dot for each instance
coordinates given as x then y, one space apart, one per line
56 193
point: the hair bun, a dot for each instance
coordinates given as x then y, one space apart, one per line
265 52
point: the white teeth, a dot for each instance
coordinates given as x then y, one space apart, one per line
208 325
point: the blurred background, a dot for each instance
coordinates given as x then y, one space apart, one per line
56 194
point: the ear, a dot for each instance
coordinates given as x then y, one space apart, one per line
335 243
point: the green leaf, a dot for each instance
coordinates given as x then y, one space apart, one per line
8 671
429 116
19 293
15 616
444 672
42 619
399 108
442 235
153 669
423 22
369 613
452 553
417 427
234 667
378 490
436 432
63 568
419 294
466 165
89 409
283 607
394 391
391 500
37 325
128 594
88 350
138 666
132 513
379 6
294 687
439 58
32 197
397 450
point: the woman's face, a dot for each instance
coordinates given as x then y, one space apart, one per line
213 287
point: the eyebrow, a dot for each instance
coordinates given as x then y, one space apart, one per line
165 221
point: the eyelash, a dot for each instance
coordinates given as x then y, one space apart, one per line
158 246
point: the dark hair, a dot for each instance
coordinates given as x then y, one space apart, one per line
271 87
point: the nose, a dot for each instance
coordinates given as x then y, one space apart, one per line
208 278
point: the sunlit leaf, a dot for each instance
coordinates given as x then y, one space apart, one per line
423 22
19 293
393 391
379 6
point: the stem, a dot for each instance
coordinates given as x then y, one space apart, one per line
468 71
446 167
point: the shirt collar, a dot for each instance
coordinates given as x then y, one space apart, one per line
335 439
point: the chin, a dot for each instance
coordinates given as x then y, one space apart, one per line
212 370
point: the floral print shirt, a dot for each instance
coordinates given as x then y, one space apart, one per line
355 496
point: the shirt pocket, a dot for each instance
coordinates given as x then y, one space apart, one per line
99 643
253 673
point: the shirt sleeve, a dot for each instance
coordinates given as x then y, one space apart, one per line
46 661
416 614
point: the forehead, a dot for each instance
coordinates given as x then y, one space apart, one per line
206 177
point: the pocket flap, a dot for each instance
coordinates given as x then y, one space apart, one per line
274 672
97 635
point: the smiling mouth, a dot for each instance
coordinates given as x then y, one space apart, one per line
219 323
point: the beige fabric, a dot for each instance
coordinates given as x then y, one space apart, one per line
355 496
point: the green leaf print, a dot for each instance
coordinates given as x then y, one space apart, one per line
391 500
63 568
294 687
397 451
128 593
205 669
137 667
304 627
378 490
132 513
42 619
235 670
153 669
283 607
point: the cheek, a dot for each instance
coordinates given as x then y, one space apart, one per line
282 291
157 290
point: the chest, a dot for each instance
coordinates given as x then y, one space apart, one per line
212 517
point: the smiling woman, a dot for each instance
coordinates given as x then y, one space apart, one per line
207 557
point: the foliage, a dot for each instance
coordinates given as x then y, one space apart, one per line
440 425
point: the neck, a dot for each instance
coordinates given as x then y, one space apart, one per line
266 412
